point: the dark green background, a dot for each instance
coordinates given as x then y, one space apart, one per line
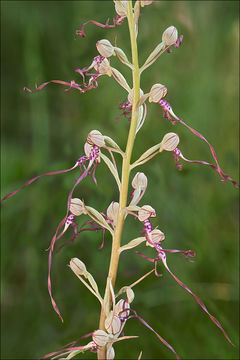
46 131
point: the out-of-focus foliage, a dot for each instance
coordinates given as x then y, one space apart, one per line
45 131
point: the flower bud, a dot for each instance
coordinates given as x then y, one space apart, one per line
112 212
170 36
100 337
157 92
121 7
139 181
110 353
77 207
169 142
77 266
105 48
95 138
146 212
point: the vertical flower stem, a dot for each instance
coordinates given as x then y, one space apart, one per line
113 267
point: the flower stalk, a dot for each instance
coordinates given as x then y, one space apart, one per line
113 267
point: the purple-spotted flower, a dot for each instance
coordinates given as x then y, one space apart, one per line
121 313
92 151
124 312
87 165
89 80
170 115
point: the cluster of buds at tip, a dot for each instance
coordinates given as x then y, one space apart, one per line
169 142
157 92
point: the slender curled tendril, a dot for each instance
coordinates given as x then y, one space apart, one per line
170 115
117 20
136 316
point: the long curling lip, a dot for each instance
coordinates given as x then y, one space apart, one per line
170 115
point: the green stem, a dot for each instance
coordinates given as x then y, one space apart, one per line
113 267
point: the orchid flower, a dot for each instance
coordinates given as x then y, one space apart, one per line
170 115
161 255
178 155
99 63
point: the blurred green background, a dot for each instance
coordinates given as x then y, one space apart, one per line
46 130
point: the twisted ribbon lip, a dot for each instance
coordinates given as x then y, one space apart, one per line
163 259
117 20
